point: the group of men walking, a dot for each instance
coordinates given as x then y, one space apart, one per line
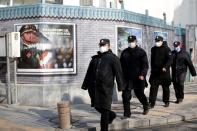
130 72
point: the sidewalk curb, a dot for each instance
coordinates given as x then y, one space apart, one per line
120 124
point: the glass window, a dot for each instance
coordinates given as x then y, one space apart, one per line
24 2
54 1
86 2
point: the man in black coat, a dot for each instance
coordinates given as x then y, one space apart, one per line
99 81
134 63
181 61
161 60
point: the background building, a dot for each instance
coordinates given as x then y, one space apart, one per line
180 12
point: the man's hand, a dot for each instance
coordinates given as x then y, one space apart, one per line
164 69
141 78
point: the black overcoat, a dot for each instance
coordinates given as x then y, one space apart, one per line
134 63
99 79
181 61
161 57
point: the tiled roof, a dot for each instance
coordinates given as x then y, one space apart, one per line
79 12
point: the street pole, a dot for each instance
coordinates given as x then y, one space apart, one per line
8 73
121 3
15 81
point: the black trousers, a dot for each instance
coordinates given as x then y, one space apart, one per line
126 96
178 83
106 115
179 90
154 90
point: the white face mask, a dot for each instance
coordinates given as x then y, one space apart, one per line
103 49
178 49
132 44
158 44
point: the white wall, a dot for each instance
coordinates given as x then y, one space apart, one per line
96 3
156 8
71 2
186 13
179 11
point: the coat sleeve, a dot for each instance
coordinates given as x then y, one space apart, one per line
118 73
152 58
145 65
190 65
88 77
123 64
169 58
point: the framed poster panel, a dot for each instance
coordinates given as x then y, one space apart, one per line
122 35
47 48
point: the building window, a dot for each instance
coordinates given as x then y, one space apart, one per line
86 2
24 2
54 1
4 3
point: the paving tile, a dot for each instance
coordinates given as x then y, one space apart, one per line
119 124
86 118
174 118
158 121
138 122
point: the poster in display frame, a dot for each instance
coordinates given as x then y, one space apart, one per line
122 35
47 48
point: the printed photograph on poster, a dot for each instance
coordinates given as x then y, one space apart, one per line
47 48
122 35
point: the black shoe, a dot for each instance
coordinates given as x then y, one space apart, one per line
166 104
145 112
112 117
178 101
127 115
151 105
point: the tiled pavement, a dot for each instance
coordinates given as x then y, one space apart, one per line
86 118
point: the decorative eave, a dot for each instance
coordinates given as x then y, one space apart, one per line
78 12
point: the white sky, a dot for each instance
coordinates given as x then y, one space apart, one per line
155 7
